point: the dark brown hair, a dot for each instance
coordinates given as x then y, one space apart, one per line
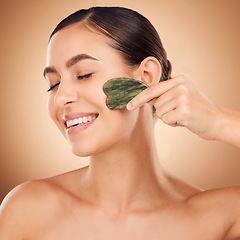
131 33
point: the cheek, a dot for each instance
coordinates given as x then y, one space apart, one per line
114 128
120 124
116 120
52 109
116 123
94 95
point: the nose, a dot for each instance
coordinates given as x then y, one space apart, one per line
66 94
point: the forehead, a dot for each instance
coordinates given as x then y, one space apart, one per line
77 39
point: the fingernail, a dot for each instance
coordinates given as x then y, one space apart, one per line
129 106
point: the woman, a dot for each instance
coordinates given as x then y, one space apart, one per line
124 193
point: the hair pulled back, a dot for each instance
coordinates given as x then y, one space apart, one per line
131 33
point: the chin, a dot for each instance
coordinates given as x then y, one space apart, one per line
85 149
82 151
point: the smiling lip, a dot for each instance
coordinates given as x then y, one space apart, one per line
77 122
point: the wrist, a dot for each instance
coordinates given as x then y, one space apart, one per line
227 125
222 123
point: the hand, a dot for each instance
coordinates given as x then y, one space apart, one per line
179 103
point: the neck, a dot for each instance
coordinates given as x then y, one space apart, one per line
128 175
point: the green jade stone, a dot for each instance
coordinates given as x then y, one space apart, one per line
120 91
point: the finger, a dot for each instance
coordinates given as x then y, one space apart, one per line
173 118
164 108
173 93
151 93
170 118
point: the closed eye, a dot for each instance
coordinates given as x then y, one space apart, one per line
84 76
52 87
78 77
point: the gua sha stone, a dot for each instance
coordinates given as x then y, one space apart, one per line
121 91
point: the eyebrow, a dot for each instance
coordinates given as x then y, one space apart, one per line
71 62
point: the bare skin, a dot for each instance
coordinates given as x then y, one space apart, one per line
124 193
57 209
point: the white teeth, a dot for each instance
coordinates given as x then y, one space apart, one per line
80 120
75 121
85 119
69 123
89 119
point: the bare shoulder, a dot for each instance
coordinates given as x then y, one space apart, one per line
221 207
227 198
33 206
26 205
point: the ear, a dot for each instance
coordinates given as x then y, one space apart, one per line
150 71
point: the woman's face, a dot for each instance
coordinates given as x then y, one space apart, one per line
79 62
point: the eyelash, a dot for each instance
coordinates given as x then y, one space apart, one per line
78 77
52 87
84 76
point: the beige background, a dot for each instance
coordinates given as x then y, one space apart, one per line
202 40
